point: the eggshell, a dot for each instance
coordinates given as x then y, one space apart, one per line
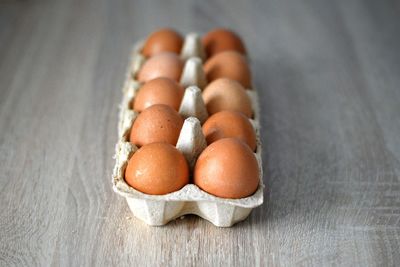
159 91
230 124
158 123
228 64
226 94
165 64
157 169
219 40
227 168
163 40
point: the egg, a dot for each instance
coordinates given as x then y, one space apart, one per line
165 64
158 123
226 94
159 91
219 40
163 40
227 168
230 124
157 169
228 64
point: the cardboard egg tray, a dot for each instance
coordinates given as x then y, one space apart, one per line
160 209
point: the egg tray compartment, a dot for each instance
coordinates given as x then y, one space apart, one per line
158 210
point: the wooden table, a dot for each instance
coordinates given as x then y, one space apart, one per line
328 74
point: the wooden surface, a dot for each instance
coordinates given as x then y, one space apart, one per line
328 75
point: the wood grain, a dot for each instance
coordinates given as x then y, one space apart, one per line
328 78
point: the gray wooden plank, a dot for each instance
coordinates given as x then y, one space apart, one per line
327 75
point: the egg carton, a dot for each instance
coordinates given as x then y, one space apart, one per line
158 210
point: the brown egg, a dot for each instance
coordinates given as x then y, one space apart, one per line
157 169
230 124
220 40
228 64
226 94
165 64
227 168
158 123
164 40
159 91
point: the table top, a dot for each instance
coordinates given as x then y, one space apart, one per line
327 73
